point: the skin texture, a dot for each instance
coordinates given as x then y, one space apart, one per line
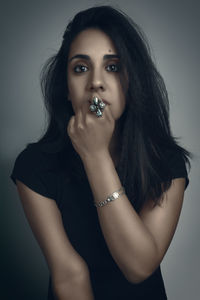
94 77
137 242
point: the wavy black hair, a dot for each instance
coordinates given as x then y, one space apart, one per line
146 140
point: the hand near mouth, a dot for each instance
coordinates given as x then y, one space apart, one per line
91 135
97 106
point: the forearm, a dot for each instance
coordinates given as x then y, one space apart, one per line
130 243
74 289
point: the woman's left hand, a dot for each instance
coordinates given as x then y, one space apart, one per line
91 135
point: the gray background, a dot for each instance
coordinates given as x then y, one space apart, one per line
31 32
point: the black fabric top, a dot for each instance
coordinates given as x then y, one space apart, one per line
45 174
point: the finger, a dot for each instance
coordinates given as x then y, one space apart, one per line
70 127
86 113
107 112
85 108
98 108
79 119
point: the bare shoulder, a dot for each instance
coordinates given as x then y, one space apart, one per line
46 223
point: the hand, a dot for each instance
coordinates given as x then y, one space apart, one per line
89 134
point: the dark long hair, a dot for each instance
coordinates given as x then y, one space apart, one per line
146 138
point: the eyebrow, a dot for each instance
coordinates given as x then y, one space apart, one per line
87 57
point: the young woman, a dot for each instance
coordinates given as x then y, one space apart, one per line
103 188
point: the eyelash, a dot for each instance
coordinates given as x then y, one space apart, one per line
80 66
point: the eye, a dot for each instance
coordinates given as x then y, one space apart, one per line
80 69
113 67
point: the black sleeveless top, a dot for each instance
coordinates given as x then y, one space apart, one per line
45 174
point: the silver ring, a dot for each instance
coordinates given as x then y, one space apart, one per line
97 106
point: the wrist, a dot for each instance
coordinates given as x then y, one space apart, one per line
99 156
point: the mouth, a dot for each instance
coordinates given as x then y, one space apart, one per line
105 101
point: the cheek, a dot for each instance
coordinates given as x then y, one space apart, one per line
73 89
75 86
121 101
75 94
120 94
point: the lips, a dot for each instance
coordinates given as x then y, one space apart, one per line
105 101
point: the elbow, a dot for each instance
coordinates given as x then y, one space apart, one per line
138 276
144 269
136 279
65 277
64 287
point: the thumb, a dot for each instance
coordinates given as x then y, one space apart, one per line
70 125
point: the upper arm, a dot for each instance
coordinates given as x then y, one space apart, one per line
161 221
45 220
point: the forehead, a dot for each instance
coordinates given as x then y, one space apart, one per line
92 41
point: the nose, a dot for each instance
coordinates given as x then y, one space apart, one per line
96 81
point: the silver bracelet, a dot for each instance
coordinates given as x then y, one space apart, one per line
111 197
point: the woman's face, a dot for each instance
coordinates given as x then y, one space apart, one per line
93 71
